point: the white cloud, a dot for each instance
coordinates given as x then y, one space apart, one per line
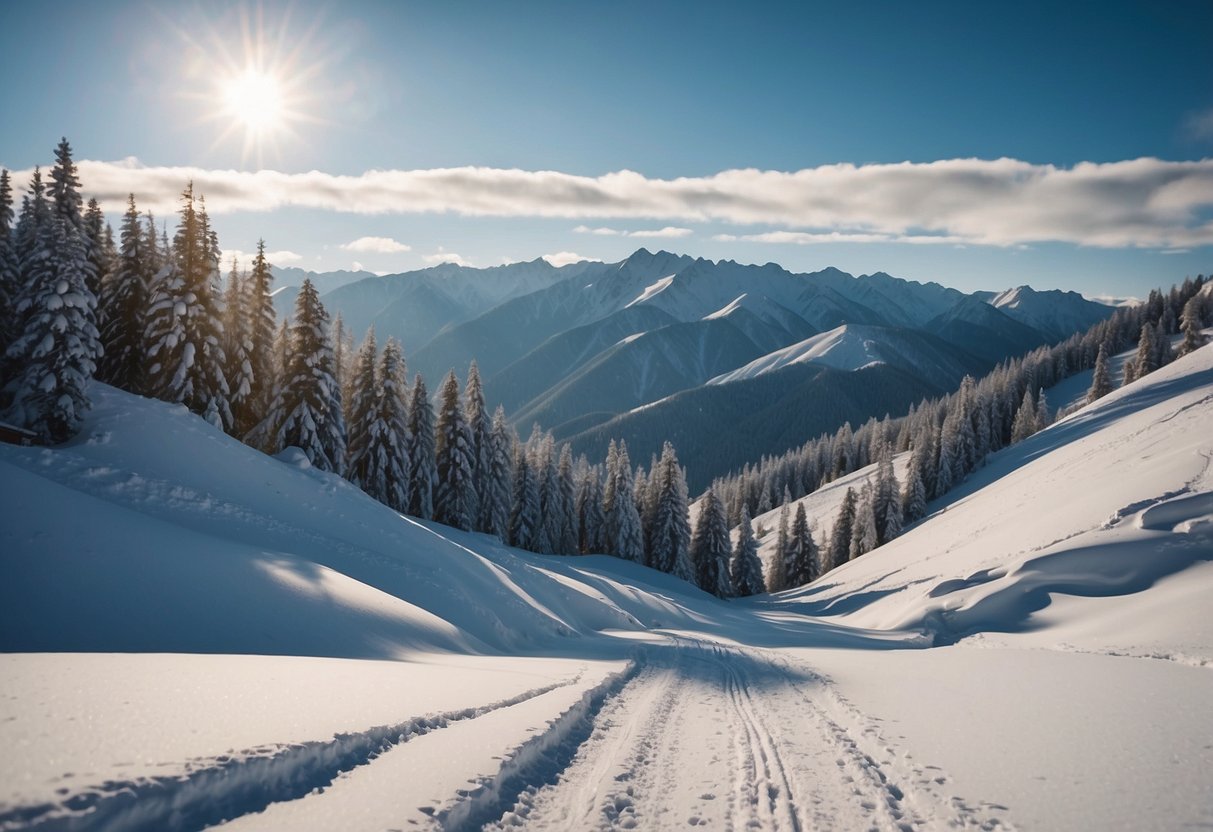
245 258
444 256
564 258
656 233
1143 202
377 245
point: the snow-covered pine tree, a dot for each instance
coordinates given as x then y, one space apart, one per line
566 503
543 464
671 526
524 513
746 569
1025 418
777 580
1191 323
423 473
608 496
10 269
843 532
453 439
1044 417
237 349
710 548
52 359
343 354
590 519
262 329
386 462
362 388
1101 379
1146 359
623 521
914 494
480 424
185 325
887 499
1163 353
124 302
863 535
803 563
99 247
495 508
307 410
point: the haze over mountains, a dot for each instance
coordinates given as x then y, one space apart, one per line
662 345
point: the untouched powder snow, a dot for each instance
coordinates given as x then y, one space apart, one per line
195 633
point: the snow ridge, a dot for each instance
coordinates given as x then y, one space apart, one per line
229 787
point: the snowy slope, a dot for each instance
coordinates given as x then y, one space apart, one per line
854 346
1074 695
1109 501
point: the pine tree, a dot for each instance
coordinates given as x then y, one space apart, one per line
591 520
385 461
671 527
746 567
480 424
52 358
185 326
262 329
543 465
1101 381
863 536
124 301
802 562
1044 417
99 247
307 410
495 508
1146 360
710 548
10 269
623 521
777 580
237 349
453 450
423 473
608 495
1191 322
566 504
524 514
343 354
1025 418
843 532
361 411
914 495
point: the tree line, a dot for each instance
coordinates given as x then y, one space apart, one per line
151 315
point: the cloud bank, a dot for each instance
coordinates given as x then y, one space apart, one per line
377 245
1143 202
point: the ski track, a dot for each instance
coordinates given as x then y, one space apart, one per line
689 741
215 790
692 733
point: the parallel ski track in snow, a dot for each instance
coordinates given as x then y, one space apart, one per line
708 735
215 790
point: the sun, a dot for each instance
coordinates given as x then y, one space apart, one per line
254 100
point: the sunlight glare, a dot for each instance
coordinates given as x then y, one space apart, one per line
255 99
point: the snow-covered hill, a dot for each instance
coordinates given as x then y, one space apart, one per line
195 633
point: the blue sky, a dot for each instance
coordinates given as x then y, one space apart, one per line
668 91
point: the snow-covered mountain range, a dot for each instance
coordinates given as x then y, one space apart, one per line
581 348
